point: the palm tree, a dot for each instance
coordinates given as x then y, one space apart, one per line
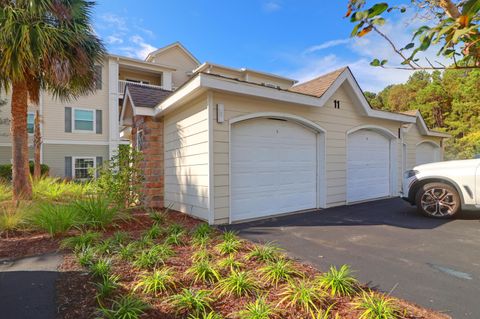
44 45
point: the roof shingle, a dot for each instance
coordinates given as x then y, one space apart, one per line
318 86
146 96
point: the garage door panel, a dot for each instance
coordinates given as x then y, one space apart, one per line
427 153
368 167
273 168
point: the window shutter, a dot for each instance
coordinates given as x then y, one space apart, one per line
98 77
68 120
68 167
98 121
99 163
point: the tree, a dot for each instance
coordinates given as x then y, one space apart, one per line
454 25
44 45
37 144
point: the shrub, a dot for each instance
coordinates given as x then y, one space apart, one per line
278 271
230 263
82 241
174 229
6 170
376 307
54 189
204 271
238 283
266 252
153 257
229 246
176 239
14 218
157 282
200 255
55 218
101 268
259 309
5 191
193 301
107 286
339 281
229 235
86 257
158 218
127 307
200 242
302 293
153 232
97 212
202 231
106 246
127 252
120 238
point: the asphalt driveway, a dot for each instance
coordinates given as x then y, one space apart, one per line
434 263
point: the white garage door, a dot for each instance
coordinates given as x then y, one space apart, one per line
368 167
273 168
427 153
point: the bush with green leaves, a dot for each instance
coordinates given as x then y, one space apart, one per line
120 238
107 286
97 212
14 217
340 282
127 252
177 239
259 309
302 293
101 268
174 229
265 252
120 179
6 171
374 306
55 219
230 263
238 283
278 271
201 255
153 257
202 231
229 246
58 190
126 307
204 271
82 241
156 282
158 218
5 191
153 232
192 301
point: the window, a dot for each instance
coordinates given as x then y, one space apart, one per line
30 122
82 167
84 120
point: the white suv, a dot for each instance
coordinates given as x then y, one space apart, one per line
443 189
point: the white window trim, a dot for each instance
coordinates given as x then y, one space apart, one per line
33 113
94 120
74 173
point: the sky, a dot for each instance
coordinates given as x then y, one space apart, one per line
299 39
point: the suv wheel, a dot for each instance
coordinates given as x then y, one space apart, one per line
438 200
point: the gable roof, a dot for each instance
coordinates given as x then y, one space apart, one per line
423 126
171 46
145 96
318 86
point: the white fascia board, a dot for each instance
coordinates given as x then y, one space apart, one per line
426 131
178 96
144 111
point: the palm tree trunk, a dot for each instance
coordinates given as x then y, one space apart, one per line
37 142
22 186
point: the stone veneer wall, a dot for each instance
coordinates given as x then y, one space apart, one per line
153 159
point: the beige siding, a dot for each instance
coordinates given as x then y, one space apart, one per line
54 114
125 74
54 155
177 58
186 159
411 138
5 155
336 122
260 79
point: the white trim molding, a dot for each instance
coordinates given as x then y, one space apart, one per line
71 142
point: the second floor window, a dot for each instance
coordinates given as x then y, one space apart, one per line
30 122
84 120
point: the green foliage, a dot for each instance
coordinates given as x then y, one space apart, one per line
238 283
175 229
230 263
127 307
153 232
82 241
85 257
14 218
204 271
340 282
259 309
266 252
202 231
153 257
302 293
159 281
205 315
193 301
200 242
127 252
229 235
201 255
229 246
55 219
101 268
120 238
97 212
57 190
158 218
176 239
5 191
376 307
121 178
6 171
105 247
106 286
278 271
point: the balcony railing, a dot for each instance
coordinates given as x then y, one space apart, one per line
122 84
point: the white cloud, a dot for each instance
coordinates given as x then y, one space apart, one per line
271 6
117 22
326 45
112 39
140 49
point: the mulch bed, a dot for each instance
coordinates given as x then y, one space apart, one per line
76 288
